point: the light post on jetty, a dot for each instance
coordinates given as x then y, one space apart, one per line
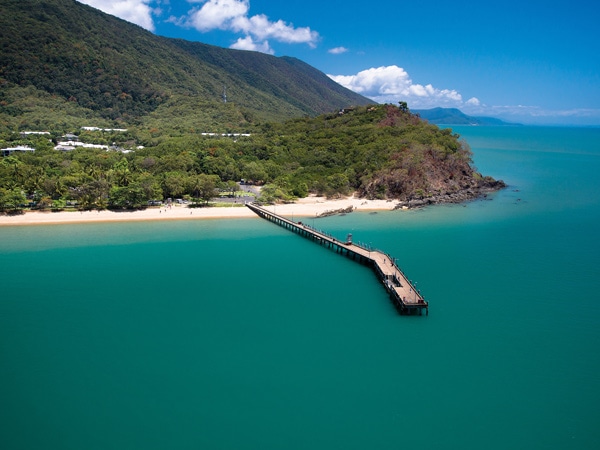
415 289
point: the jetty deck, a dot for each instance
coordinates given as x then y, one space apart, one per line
403 293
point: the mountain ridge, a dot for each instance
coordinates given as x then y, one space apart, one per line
454 116
122 72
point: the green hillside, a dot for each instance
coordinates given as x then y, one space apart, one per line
379 151
64 66
75 61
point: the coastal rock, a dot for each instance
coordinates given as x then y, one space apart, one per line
333 212
480 190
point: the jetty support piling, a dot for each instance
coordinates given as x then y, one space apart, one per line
405 296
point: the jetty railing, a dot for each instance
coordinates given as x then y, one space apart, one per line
404 294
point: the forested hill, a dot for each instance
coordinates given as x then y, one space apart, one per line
378 151
107 68
155 103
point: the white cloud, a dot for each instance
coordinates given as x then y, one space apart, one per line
228 15
391 84
247 43
337 50
232 15
261 27
135 11
218 14
473 101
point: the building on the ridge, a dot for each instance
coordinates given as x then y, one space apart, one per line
19 148
64 148
119 130
34 133
73 144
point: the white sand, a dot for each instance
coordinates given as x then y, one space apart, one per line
306 207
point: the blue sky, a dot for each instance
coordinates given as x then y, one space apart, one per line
527 61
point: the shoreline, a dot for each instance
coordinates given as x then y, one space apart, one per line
306 207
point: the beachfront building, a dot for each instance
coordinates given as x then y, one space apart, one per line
19 148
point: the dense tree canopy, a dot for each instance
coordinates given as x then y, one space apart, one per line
379 151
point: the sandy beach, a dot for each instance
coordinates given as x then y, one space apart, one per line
306 207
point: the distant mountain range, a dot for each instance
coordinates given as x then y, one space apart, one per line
116 70
453 116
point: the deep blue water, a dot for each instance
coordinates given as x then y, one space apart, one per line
237 334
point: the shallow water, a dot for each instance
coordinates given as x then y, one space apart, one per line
239 334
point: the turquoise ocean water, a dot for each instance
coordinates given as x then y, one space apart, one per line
236 334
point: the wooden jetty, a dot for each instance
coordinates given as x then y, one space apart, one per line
406 297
